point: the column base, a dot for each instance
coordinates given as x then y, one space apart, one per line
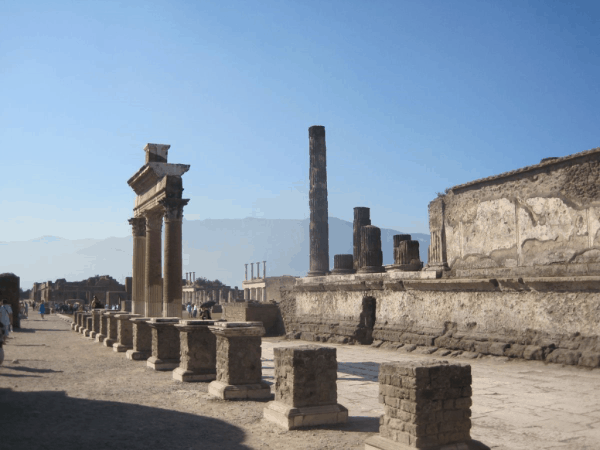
120 348
405 267
186 376
239 391
342 271
291 417
73 326
371 269
162 364
316 273
86 333
380 443
134 355
76 328
100 338
92 335
108 342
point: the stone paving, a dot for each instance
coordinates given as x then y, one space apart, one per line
517 404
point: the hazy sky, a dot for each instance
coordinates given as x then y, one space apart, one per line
415 97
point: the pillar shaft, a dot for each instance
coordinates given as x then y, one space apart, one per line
153 275
138 283
173 257
362 217
319 225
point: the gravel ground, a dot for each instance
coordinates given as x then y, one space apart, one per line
60 390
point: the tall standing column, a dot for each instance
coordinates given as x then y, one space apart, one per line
252 271
173 256
138 225
246 274
319 226
362 217
153 274
264 269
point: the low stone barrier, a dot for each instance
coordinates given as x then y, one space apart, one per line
165 343
142 340
239 368
305 388
427 405
198 351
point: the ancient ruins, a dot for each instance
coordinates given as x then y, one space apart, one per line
105 288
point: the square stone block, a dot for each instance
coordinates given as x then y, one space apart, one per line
165 344
255 391
290 417
198 351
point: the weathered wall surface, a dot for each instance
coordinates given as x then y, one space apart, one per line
267 313
540 218
552 319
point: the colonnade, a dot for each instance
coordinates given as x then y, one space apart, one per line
158 294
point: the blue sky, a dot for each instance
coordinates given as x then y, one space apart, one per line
415 96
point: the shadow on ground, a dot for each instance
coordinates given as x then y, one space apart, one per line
364 371
51 420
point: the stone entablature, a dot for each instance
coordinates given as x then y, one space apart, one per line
543 217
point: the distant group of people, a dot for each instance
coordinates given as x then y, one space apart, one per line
193 312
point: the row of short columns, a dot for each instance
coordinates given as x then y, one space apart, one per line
427 404
218 295
258 294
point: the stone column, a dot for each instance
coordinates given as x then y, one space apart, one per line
406 254
362 217
198 351
436 253
342 264
152 274
427 404
142 339
371 257
252 271
112 328
173 257
239 368
246 274
264 269
264 292
319 225
258 270
246 294
124 332
138 225
305 388
165 344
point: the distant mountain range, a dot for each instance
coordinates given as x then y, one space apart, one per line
213 248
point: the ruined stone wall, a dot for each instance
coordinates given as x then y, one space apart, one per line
538 220
267 313
552 319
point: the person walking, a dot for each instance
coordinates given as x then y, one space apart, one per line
189 309
42 310
4 319
195 311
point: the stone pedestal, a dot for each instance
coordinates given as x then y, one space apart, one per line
124 332
239 368
103 327
75 321
142 339
78 318
112 328
88 325
198 351
362 217
95 322
427 405
305 388
165 343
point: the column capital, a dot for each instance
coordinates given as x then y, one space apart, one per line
173 207
153 220
138 225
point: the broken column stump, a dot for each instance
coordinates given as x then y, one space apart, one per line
427 405
124 332
165 343
239 368
406 254
305 388
142 340
342 265
112 328
198 351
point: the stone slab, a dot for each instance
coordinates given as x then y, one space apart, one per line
186 376
380 443
137 356
225 391
290 417
162 364
109 342
100 338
